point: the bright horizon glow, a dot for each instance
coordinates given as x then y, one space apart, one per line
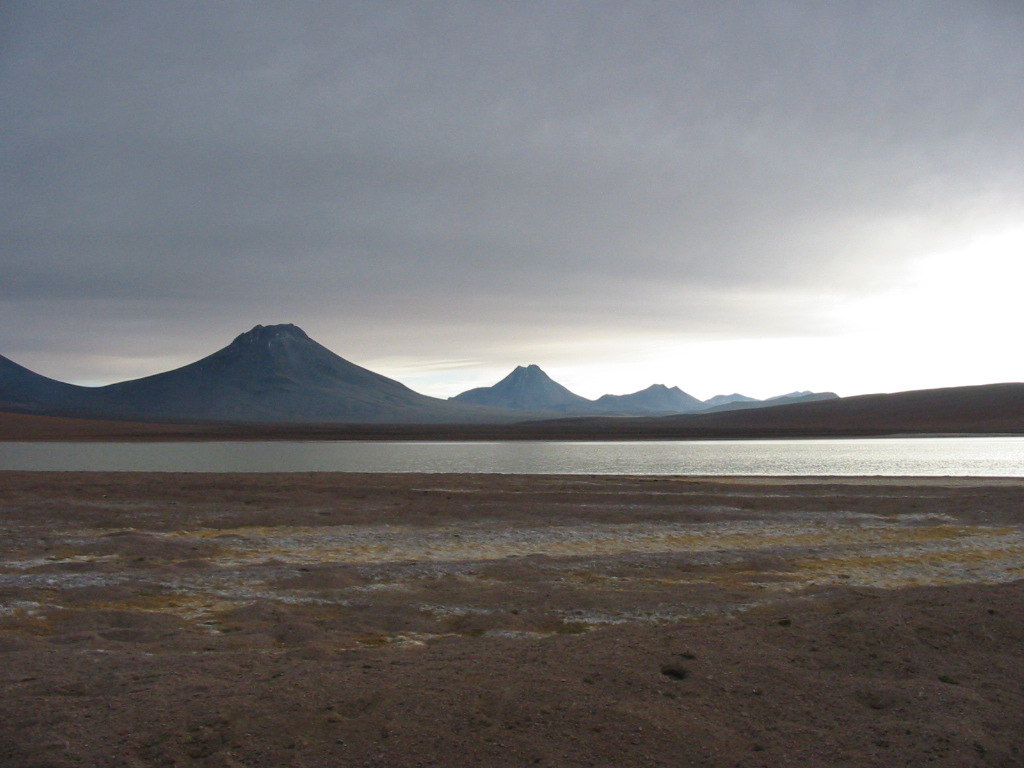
947 307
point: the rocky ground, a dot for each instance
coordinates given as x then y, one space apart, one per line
459 620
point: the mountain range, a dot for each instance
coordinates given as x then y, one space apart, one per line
278 380
269 374
278 374
528 388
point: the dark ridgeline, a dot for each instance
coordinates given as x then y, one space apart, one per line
987 408
984 409
528 388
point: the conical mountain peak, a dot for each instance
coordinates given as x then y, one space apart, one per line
284 351
528 371
527 388
273 373
268 334
279 329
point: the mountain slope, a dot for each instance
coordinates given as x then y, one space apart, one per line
29 392
985 408
527 389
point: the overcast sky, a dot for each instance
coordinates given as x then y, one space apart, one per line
724 196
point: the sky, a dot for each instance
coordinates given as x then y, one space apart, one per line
723 196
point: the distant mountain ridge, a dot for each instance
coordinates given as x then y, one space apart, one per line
656 399
735 397
529 388
987 409
794 397
278 374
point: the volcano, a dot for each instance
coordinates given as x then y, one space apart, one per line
273 373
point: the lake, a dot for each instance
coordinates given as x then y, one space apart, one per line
932 456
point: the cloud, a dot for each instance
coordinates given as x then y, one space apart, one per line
449 176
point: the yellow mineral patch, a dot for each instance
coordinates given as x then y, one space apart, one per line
26 622
947 560
588 563
368 544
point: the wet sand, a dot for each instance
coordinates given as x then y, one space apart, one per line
328 619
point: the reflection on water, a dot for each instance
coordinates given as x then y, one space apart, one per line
972 456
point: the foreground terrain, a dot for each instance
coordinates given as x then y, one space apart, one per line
405 620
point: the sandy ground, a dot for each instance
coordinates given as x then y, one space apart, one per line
461 620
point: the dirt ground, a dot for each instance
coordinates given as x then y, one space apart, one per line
326 619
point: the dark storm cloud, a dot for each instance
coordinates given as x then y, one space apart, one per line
484 165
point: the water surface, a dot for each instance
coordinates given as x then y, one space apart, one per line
933 456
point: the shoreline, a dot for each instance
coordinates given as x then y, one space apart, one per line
18 427
914 481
